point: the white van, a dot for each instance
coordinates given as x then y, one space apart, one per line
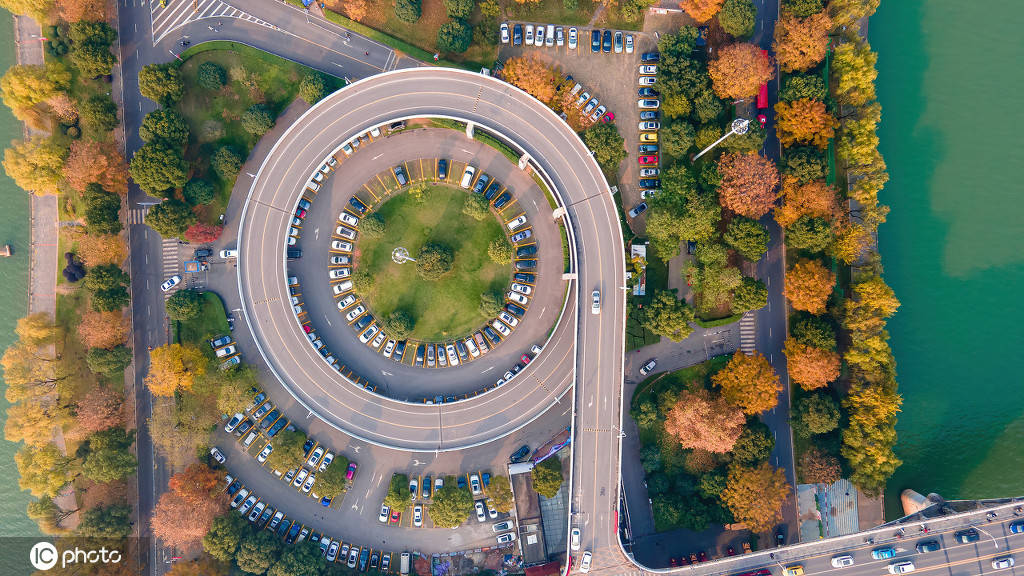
575 89
403 567
342 287
248 439
314 186
467 177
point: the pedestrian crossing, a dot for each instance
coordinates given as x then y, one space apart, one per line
748 332
169 250
137 215
174 14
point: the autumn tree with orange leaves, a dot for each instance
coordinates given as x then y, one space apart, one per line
98 249
748 183
749 382
755 495
532 75
816 199
804 122
75 10
739 70
808 285
99 409
103 329
185 512
800 43
174 367
810 367
100 162
702 421
701 10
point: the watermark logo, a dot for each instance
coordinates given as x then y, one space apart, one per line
43 556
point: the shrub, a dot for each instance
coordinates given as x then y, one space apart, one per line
434 261
313 88
476 207
257 120
459 8
408 10
372 226
490 304
184 305
225 163
211 76
454 36
500 251
198 192
164 124
99 112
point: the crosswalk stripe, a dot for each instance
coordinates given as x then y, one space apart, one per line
177 13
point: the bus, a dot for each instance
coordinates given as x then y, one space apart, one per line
762 93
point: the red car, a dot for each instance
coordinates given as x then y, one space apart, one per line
525 358
651 159
609 117
395 516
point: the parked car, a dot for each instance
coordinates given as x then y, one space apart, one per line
606 41
170 283
504 33
595 41
467 177
647 92
629 43
529 34
506 538
648 366
648 104
649 57
233 423
520 454
638 210
442 164
647 148
649 115
217 455
517 35
572 38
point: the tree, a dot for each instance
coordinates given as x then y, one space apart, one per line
677 138
815 414
235 388
313 86
95 250
288 452
165 125
700 421
533 75
40 11
752 294
812 331
90 51
101 210
109 287
748 184
810 234
408 10
161 83
434 261
99 409
174 367
802 8
226 163
800 43
804 122
398 491
751 141
112 361
103 329
450 506
737 17
106 522
754 445
810 367
739 70
46 514
808 285
24 86
331 482
211 76
36 165
36 329
157 167
501 494
185 513
755 495
748 237
848 12
30 373
170 218
198 192
356 10
257 120
184 305
92 162
491 304
399 324
803 87
98 112
476 207
706 106
815 199
547 477
32 421
667 316
701 10
817 467
107 455
179 427
749 382
258 551
872 303
459 8
200 233
607 145
454 36
226 532
806 164
870 435
302 559
43 471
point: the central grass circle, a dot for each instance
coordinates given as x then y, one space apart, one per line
440 309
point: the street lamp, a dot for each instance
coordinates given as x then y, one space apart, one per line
738 126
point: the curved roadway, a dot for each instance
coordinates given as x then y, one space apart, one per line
418 427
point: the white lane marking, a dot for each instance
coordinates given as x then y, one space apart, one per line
328 320
378 155
316 233
386 373
488 370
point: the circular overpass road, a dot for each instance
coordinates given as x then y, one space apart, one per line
600 262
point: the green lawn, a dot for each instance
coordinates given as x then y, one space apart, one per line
551 11
445 308
211 322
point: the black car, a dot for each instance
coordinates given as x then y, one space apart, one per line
927 546
648 148
526 264
293 533
492 190
518 455
517 35
691 247
606 41
400 176
283 528
460 348
294 253
442 167
363 322
647 92
522 277
967 536
525 251
647 57
649 115
491 335
364 556
399 350
277 427
515 309
419 356
203 253
595 41
243 427
307 447
358 205
502 200
270 419
234 487
650 183
481 183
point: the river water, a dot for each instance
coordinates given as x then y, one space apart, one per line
953 248
14 226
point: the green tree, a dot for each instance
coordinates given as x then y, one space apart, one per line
112 361
606 143
106 522
500 492
748 237
706 106
712 483
500 251
90 51
476 207
803 87
408 10
313 87
39 10
165 125
854 70
398 492
547 477
99 113
399 324
816 413
43 471
107 455
490 304
806 164
211 76
677 138
156 168
451 505
198 192
301 559
434 261
454 36
811 330
752 294
751 141
226 163
288 452
667 316
848 12
184 305
170 218
46 514
802 8
257 120
109 287
225 534
101 210
331 482
257 552
373 226
459 8
810 234
737 17
754 445
161 83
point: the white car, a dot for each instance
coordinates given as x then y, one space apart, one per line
590 106
256 511
453 356
467 177
842 561
585 562
315 456
345 232
529 35
262 457
516 223
341 246
549 36
648 104
233 423
538 38
574 539
239 497
353 556
300 478
501 328
506 538
598 113
582 99
508 318
517 298
629 43
649 125
332 551
349 219
521 288
559 37
346 301
492 512
217 455
378 340
473 350
414 491
339 273
309 483
595 298
417 511
1002 562
384 513
340 260
647 367
474 484
355 313
370 333
504 32
389 348
481 513
646 81
170 283
649 172
328 458
230 253
572 38
648 69
901 567
247 504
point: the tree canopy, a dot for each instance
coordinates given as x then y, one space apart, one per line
804 122
226 532
157 167
749 382
313 87
739 70
815 414
810 367
450 506
607 145
803 87
107 455
174 367
226 163
547 477
752 294
454 36
748 183
800 43
257 120
161 83
755 495
408 10
36 165
171 218
533 75
699 420
701 10
748 237
668 316
101 210
808 285
165 125
737 17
